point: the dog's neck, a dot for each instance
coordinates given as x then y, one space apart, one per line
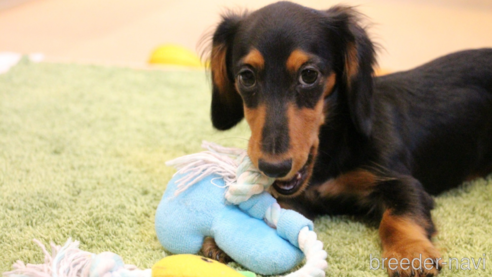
339 151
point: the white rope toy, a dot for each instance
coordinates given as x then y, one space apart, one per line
243 181
70 261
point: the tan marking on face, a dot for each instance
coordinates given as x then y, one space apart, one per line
256 121
218 67
304 125
303 131
359 183
329 84
255 59
351 62
403 237
296 59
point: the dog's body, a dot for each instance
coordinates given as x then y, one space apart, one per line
433 123
339 140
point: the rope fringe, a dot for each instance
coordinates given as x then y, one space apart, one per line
69 261
231 164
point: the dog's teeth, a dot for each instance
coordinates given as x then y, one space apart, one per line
298 176
288 187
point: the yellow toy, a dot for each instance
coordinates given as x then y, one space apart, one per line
193 266
171 54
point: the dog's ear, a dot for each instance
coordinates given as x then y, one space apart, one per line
357 65
227 104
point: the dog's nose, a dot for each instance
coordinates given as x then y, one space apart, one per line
275 170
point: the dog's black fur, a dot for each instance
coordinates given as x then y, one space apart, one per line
411 133
433 123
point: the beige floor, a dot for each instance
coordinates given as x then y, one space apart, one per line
124 32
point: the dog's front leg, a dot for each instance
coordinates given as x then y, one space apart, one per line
406 228
402 207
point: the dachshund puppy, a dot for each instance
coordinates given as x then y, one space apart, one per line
339 140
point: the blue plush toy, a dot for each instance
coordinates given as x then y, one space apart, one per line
182 222
194 206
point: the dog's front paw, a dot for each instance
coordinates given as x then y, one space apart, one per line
412 258
211 249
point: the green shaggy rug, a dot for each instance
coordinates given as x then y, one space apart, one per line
82 152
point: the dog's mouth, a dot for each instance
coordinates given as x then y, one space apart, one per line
291 186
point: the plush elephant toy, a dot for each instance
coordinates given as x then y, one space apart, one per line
182 221
219 193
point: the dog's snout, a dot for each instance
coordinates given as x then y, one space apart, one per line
275 169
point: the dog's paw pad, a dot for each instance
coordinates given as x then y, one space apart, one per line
211 250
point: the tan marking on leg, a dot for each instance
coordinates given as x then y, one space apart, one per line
359 183
211 250
403 237
296 59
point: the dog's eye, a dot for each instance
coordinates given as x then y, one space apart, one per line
247 78
308 76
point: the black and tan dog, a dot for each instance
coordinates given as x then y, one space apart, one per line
341 141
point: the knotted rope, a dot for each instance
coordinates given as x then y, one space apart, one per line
69 261
233 165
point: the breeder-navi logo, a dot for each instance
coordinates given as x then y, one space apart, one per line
418 263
